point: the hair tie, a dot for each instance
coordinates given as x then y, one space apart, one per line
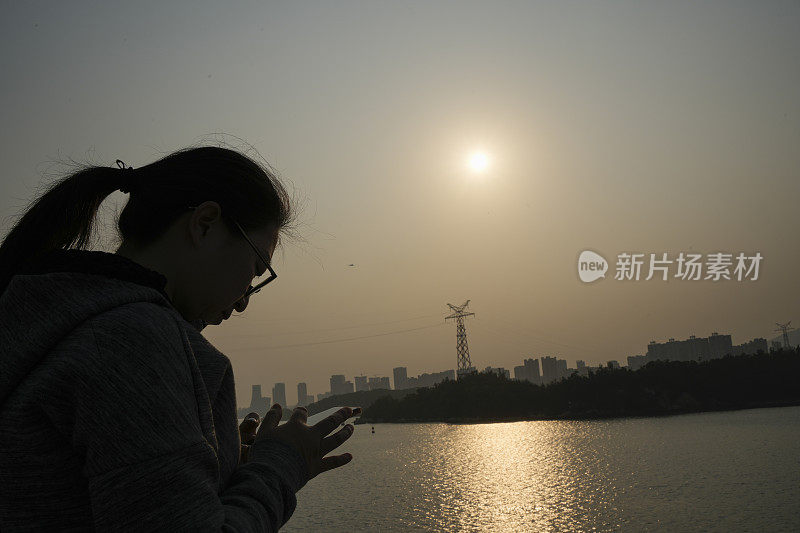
129 183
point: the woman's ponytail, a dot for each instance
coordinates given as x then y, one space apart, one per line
63 217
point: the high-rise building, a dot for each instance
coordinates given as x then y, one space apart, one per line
258 403
279 394
719 345
532 370
562 368
256 394
635 362
400 378
255 398
302 395
337 382
361 383
339 385
500 371
519 373
549 369
379 383
751 347
700 348
423 380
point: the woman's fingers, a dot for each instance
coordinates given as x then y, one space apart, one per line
300 414
335 461
334 441
313 443
248 425
328 424
247 431
271 419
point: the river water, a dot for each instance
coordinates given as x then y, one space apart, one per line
725 471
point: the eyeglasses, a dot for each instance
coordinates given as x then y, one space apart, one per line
259 281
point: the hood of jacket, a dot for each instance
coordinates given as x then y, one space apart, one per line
48 299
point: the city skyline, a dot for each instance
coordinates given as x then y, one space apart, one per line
551 369
509 363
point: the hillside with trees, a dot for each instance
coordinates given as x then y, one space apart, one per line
659 388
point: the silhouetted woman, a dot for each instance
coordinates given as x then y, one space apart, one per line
115 412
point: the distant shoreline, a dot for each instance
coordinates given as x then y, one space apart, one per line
576 418
660 388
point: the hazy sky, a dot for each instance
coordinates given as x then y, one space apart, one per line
613 126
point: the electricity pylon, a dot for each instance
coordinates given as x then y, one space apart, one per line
462 350
785 329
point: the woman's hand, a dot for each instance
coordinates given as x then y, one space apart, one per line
312 442
247 434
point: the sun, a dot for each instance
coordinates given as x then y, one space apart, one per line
478 161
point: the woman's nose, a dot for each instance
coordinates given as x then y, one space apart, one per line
241 304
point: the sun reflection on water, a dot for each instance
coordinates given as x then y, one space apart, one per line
500 476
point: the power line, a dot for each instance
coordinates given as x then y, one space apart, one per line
525 335
276 333
332 341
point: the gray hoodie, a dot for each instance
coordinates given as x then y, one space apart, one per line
117 414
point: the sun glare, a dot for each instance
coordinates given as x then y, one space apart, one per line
478 162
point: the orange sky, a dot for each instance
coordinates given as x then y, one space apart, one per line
614 127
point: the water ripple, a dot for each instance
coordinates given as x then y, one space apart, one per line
734 471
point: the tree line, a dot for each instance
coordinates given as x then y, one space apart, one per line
658 388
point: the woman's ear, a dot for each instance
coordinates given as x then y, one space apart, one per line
204 218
